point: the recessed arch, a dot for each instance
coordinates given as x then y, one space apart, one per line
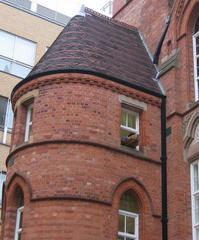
143 196
187 19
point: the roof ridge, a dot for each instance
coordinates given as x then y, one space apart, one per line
114 21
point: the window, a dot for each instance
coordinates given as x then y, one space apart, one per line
19 218
28 129
128 217
2 180
196 59
6 116
195 199
17 54
129 128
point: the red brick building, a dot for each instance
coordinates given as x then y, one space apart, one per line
179 74
88 155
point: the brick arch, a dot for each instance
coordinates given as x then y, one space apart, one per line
144 199
15 185
187 18
18 180
189 150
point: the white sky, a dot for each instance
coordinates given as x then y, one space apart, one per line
71 7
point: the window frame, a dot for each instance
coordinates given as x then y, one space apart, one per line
28 122
131 215
196 57
137 123
8 114
13 61
194 194
18 230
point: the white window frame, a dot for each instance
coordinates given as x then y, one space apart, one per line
131 215
129 129
194 194
28 122
196 78
8 115
18 230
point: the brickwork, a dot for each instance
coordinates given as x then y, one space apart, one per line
74 170
178 82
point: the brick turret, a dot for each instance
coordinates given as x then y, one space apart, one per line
66 161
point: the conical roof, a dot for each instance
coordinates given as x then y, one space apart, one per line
98 45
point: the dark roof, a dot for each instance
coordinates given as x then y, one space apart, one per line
101 46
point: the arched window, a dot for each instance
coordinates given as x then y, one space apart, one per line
196 58
19 217
128 217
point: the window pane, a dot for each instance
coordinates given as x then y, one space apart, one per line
3 107
130 225
21 220
197 49
19 236
121 238
131 121
129 202
195 173
6 44
197 209
2 179
24 51
124 118
9 116
197 233
31 112
5 65
19 70
121 223
197 40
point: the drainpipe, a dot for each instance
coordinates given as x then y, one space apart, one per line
163 135
164 170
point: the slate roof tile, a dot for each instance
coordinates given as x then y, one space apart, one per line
99 44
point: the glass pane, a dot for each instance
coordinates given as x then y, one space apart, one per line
195 175
130 225
5 65
197 233
197 50
3 107
120 238
31 112
121 223
24 51
30 131
131 121
196 209
197 40
124 133
19 236
2 179
124 118
6 44
129 202
10 116
21 220
19 70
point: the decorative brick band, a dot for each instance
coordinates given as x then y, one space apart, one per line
141 156
78 78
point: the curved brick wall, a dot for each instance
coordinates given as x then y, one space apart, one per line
74 164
